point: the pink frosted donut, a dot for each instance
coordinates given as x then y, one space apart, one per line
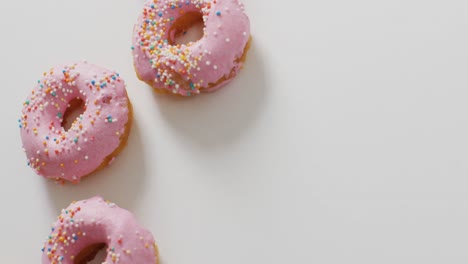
201 66
95 137
87 226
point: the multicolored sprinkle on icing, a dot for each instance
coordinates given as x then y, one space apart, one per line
54 152
95 221
187 69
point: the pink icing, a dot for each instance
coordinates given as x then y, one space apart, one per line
55 153
200 63
95 221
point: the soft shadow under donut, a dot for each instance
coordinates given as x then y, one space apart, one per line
122 182
219 118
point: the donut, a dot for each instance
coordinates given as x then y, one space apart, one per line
87 226
93 139
200 66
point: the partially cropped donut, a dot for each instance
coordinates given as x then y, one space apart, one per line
201 66
94 138
87 226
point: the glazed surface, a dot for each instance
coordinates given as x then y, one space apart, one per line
95 221
203 65
54 152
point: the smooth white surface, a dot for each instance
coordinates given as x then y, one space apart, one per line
344 140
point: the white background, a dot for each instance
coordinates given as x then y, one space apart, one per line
343 140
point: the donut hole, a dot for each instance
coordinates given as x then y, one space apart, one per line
75 108
186 29
92 254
